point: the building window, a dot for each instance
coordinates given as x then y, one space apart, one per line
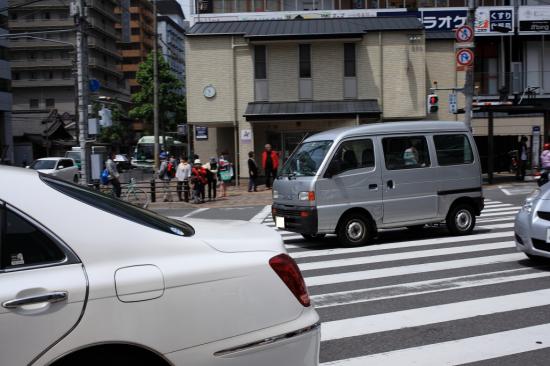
5 85
34 75
305 60
46 15
13 16
16 76
349 60
3 53
50 102
48 75
260 62
136 31
33 103
66 74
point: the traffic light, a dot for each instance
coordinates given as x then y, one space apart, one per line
433 103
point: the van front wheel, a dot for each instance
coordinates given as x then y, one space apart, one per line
354 230
461 219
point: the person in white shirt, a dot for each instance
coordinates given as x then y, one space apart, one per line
182 175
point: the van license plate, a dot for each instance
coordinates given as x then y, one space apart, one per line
280 222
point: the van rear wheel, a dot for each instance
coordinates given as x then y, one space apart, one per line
461 219
354 230
313 237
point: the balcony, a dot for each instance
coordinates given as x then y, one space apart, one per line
32 64
41 23
38 83
105 48
489 83
109 67
105 10
32 44
107 28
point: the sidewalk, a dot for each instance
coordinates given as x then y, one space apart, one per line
236 196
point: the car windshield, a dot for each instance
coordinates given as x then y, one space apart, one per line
43 164
119 208
307 158
75 155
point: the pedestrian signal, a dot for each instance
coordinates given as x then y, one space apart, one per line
433 103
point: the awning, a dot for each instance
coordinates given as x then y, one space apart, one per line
268 111
305 28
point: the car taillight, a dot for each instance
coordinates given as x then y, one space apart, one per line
288 271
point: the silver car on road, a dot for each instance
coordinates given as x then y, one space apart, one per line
532 227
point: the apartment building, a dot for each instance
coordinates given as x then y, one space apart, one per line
6 140
256 82
512 54
136 37
43 72
171 31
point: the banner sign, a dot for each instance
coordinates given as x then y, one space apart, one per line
534 19
201 133
443 20
487 18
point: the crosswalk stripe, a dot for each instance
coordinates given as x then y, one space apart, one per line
491 214
460 351
410 269
497 226
260 216
347 262
422 287
405 244
500 209
497 219
353 327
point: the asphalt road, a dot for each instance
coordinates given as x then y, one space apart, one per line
425 298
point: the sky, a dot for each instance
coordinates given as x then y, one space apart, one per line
186 6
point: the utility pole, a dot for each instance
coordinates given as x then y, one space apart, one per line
79 12
469 82
156 148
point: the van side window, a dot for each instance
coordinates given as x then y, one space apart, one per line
355 154
453 149
406 152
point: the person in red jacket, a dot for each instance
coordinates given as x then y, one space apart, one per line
270 164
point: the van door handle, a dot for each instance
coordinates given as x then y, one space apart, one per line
390 184
373 187
50 297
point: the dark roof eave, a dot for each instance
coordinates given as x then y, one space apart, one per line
305 36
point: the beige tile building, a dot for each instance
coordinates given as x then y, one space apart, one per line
257 82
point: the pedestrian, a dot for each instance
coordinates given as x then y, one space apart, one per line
410 155
212 177
183 173
225 174
165 175
270 164
198 176
252 172
523 155
545 157
114 176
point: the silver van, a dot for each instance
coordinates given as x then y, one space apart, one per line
354 181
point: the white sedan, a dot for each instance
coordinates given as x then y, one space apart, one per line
86 279
63 168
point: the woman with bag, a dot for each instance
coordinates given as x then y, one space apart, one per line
225 173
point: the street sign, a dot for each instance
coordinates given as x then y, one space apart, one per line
464 34
464 58
453 106
94 85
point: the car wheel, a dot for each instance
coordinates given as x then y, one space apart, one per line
75 179
310 237
461 219
355 230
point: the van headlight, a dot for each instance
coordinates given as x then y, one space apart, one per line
306 196
275 194
530 200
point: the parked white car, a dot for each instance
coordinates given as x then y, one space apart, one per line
86 279
63 168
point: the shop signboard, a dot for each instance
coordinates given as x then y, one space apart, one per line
201 133
443 20
534 19
494 20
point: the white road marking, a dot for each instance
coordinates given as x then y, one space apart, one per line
497 204
260 216
340 263
497 226
194 212
353 327
404 244
500 209
460 351
497 219
491 214
422 287
411 269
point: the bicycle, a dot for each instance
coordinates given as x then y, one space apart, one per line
136 196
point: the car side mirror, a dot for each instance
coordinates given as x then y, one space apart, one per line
60 167
28 167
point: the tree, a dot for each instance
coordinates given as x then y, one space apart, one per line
172 109
118 133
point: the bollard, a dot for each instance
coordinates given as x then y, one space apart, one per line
153 195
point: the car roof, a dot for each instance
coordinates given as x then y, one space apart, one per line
389 128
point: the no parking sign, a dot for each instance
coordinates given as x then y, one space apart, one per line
464 58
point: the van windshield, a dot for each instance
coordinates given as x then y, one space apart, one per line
307 159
